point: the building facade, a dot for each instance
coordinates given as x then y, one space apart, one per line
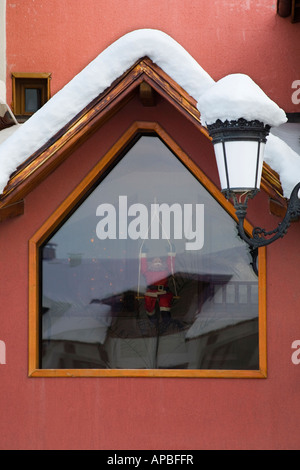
130 308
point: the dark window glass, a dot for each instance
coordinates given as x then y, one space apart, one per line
32 100
148 272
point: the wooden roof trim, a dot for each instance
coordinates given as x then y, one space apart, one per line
270 182
174 93
50 155
146 70
46 159
87 114
12 210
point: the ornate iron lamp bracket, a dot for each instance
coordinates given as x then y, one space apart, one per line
261 237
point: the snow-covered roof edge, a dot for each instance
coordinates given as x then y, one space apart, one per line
285 161
238 96
98 76
93 80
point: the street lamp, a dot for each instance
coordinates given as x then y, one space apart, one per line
238 116
239 149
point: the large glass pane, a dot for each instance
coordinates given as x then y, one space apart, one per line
148 272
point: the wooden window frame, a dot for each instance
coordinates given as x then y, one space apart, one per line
59 215
20 81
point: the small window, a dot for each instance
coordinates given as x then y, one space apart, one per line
30 93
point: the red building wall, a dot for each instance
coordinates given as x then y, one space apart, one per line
153 413
149 413
224 36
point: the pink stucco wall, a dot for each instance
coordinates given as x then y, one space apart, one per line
224 36
126 413
153 413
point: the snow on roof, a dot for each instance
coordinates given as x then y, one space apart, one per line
93 80
285 161
289 133
111 64
5 133
238 96
2 91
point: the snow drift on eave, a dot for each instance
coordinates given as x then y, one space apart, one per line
100 74
236 96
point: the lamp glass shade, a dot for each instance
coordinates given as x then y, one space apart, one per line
239 164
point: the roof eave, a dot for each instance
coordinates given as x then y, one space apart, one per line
46 159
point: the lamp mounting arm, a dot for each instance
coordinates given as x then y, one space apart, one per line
261 237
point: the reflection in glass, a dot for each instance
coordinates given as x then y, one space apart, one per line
126 286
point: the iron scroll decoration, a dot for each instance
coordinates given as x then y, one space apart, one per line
242 129
260 236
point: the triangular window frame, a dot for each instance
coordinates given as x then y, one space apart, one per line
60 214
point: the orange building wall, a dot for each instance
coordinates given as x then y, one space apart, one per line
224 36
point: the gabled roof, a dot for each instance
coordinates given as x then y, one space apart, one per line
143 77
92 81
74 126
